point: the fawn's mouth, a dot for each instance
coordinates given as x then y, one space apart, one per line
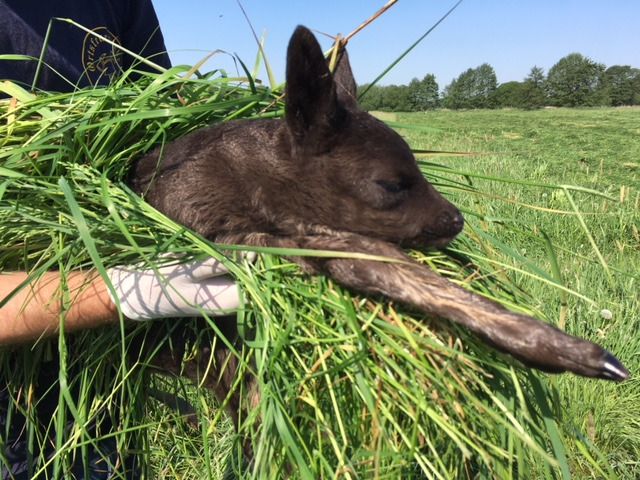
448 226
429 241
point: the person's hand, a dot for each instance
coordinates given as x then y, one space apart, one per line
175 290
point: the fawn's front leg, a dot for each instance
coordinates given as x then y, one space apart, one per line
402 279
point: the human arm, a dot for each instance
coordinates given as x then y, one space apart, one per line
34 311
173 290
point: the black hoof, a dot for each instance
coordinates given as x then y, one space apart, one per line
612 369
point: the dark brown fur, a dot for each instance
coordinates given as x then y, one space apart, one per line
330 176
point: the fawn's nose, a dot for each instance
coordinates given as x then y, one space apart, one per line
450 223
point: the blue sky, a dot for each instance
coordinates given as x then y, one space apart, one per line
510 35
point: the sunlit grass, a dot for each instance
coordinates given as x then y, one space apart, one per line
592 148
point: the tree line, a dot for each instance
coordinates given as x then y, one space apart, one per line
574 81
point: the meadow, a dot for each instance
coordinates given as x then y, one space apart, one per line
351 387
523 159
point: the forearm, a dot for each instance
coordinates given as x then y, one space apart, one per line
35 311
174 290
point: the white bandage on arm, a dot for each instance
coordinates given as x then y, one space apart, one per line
175 290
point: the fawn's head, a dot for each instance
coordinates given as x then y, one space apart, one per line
360 174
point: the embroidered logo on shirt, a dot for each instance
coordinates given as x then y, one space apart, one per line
101 60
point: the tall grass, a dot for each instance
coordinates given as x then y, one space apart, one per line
351 387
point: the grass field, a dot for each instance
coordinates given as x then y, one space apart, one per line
598 251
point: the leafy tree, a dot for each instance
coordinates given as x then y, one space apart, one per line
424 94
623 85
485 84
510 94
389 98
534 89
454 95
576 81
373 98
474 88
396 98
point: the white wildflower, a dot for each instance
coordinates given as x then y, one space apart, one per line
606 314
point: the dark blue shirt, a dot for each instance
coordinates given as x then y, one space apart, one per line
79 58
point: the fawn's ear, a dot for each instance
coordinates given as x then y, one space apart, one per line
346 88
312 108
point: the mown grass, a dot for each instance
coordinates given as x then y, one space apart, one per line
352 387
597 251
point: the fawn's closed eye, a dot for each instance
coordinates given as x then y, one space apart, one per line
392 186
389 194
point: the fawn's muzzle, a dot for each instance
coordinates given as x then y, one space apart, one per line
449 223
